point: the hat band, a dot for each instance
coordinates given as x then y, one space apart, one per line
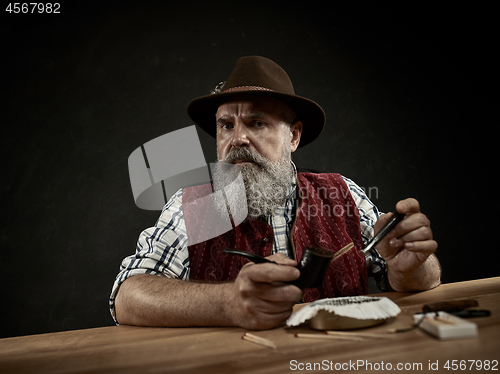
247 88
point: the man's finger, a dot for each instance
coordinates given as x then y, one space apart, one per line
408 206
270 306
275 292
420 234
426 246
284 293
271 273
409 224
281 259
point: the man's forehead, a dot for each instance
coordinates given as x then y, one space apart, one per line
250 107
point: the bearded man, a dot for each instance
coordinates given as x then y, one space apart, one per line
175 279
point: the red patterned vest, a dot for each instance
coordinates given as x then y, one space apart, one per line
327 217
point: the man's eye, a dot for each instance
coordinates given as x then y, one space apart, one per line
259 124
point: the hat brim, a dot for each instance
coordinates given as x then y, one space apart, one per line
202 111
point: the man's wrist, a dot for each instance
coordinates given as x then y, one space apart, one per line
383 283
225 300
425 277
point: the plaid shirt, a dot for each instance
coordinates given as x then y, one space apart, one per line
163 249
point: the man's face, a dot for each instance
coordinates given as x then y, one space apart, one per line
257 124
257 137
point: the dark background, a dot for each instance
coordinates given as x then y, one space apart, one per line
407 93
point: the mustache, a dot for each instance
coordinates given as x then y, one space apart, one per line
243 153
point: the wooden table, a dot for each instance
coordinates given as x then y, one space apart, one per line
127 349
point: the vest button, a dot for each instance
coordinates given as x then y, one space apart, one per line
265 240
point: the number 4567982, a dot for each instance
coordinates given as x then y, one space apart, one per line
33 8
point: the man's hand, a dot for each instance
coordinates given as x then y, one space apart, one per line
259 299
408 249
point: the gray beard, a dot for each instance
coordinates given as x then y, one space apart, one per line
265 184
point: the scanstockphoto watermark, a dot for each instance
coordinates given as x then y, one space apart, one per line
354 365
336 210
334 193
342 209
322 192
323 201
371 192
366 365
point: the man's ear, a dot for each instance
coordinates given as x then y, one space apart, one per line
295 133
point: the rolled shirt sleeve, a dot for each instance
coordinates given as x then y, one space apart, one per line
161 250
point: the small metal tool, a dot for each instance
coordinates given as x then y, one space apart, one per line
395 219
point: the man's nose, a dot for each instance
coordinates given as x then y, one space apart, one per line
240 136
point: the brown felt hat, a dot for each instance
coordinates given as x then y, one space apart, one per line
255 75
